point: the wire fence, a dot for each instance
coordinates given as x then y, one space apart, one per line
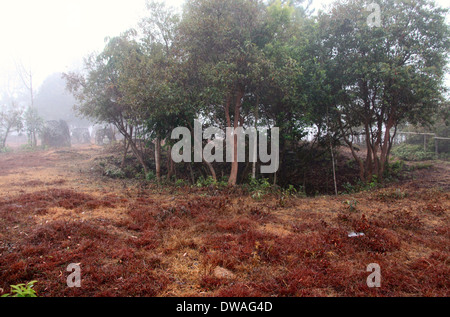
430 141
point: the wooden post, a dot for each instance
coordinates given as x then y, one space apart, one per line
334 170
436 146
332 157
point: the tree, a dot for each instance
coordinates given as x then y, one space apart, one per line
10 118
221 44
157 87
99 92
385 75
33 122
26 77
285 97
33 125
130 85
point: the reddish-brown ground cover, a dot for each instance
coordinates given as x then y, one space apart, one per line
133 239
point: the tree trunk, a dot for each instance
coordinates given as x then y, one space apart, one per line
235 164
369 155
334 169
126 146
191 171
170 165
158 158
123 129
385 150
211 169
355 156
255 147
138 154
3 145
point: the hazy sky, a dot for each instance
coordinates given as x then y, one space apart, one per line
53 35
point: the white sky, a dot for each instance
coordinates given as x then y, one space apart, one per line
54 35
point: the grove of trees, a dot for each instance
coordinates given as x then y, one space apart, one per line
263 64
24 110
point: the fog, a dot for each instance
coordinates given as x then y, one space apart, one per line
42 39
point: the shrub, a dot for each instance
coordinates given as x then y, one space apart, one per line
360 186
397 166
409 152
180 182
5 149
422 166
391 194
210 181
258 187
351 205
114 172
150 176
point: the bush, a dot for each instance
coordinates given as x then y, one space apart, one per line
210 181
351 205
180 182
391 194
258 187
290 192
29 148
395 170
422 166
205 182
114 172
360 186
410 152
151 177
397 167
5 149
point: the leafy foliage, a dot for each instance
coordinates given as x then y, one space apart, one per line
10 118
410 152
22 290
253 63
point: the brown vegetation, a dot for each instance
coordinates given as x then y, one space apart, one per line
135 239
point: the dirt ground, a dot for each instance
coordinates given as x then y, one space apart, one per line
131 238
